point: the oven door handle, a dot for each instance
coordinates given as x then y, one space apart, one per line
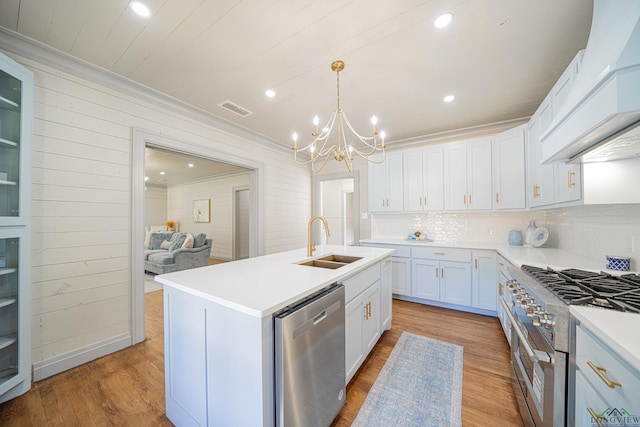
535 355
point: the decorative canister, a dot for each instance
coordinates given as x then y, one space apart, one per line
515 238
528 232
618 263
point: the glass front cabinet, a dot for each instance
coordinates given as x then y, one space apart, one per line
16 122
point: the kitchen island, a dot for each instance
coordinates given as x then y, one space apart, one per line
219 346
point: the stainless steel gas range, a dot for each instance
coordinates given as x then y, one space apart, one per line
538 309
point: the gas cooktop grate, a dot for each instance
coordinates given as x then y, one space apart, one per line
579 287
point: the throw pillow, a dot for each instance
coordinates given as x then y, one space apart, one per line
156 239
147 237
178 242
188 242
199 240
165 245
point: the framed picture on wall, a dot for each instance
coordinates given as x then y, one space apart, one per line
201 210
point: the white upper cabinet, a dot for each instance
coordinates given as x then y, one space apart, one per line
568 182
423 179
386 184
509 169
467 175
540 178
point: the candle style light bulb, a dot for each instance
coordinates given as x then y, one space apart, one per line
374 120
295 140
316 120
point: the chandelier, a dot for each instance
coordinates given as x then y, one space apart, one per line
322 148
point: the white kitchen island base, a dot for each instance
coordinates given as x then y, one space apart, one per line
219 329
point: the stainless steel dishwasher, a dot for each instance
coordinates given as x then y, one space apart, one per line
310 359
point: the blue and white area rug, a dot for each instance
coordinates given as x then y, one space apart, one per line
419 385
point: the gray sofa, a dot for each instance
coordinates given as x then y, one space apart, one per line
164 253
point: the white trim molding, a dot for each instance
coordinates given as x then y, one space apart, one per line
141 139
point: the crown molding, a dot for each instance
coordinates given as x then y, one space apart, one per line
457 134
28 48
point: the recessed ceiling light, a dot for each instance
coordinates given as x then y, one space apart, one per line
146 178
443 20
190 165
140 8
162 173
448 98
270 93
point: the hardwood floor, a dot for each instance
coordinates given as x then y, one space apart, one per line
487 399
127 388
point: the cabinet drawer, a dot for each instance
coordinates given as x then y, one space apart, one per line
442 254
354 285
591 349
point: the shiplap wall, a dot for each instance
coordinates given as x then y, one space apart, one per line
220 192
81 259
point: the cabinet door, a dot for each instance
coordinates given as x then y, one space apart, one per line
509 169
401 276
395 183
480 195
455 177
354 352
377 187
484 280
425 279
588 399
568 182
455 283
372 316
413 181
386 280
540 180
433 178
16 130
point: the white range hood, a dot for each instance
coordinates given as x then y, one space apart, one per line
600 116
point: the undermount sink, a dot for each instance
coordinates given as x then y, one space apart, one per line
331 261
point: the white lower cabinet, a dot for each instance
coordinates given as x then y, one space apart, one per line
386 280
503 294
441 274
483 280
607 387
362 327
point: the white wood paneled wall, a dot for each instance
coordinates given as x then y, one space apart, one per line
220 192
82 181
155 205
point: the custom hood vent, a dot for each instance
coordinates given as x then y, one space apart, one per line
604 101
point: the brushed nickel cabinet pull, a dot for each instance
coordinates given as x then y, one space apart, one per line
497 198
469 198
442 272
465 199
439 253
599 370
476 262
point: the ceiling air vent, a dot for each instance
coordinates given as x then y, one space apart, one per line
235 108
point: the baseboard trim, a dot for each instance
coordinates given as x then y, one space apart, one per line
55 365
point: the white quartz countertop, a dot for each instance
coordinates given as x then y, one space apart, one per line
262 285
618 330
517 255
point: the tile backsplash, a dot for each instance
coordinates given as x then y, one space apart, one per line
593 231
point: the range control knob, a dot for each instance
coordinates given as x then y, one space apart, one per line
534 310
548 321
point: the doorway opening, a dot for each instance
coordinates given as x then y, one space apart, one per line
336 197
241 214
177 153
